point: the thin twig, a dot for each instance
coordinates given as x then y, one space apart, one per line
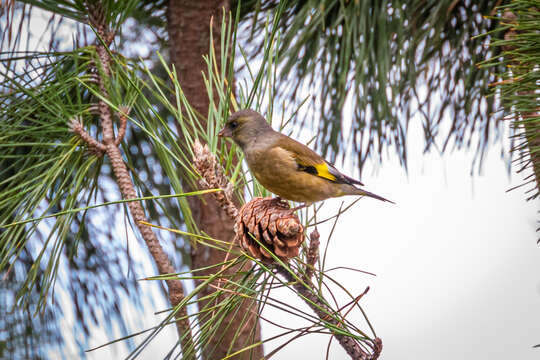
94 146
122 117
351 346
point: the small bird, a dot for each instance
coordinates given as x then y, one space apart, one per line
286 167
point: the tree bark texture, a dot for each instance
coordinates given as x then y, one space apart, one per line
189 38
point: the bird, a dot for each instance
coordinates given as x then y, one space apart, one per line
285 167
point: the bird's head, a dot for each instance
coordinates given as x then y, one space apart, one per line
245 126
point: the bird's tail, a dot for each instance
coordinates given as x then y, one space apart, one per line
356 191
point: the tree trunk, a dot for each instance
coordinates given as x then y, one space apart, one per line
189 38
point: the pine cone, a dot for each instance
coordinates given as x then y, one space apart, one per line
272 223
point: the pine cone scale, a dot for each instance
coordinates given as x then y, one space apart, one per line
267 237
278 242
263 222
291 242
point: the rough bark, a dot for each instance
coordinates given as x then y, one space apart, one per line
189 37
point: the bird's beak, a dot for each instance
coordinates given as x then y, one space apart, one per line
224 132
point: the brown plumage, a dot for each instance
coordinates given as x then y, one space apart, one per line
286 167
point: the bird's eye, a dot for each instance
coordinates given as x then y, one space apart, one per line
233 124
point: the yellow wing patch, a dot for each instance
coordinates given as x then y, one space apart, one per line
322 171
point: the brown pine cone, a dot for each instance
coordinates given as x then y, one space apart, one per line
274 224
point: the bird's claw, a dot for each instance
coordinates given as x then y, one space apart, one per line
278 201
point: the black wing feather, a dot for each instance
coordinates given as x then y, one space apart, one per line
342 178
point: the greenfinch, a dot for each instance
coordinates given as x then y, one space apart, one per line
286 167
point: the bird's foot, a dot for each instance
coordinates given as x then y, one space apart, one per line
278 201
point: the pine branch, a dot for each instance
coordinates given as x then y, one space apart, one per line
516 51
109 145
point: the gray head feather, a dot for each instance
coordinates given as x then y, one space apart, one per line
247 127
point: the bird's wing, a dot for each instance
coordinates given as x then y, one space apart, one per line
312 163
